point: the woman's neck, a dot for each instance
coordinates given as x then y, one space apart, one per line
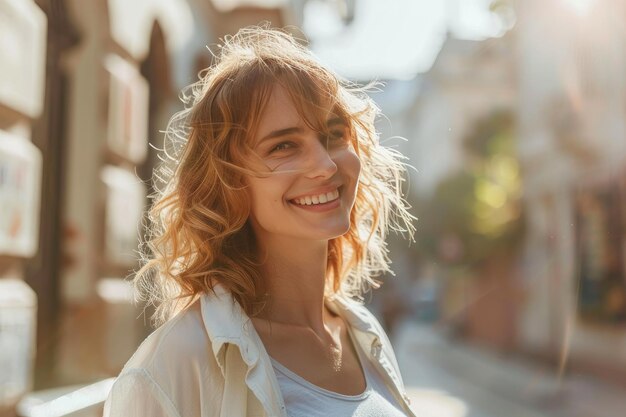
295 274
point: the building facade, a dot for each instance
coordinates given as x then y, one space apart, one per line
23 49
573 152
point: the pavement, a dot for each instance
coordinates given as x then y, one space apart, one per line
448 378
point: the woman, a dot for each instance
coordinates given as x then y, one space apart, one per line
272 220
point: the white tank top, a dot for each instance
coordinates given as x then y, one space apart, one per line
303 399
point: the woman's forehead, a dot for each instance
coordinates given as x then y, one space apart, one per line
282 111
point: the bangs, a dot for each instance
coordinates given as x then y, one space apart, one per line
316 99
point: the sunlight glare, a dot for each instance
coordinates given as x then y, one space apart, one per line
435 403
580 7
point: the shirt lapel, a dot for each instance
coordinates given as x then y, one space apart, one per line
227 324
371 338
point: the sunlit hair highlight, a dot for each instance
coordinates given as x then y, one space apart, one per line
199 234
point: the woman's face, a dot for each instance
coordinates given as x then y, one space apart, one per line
312 186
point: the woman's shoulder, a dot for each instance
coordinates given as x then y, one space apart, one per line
181 340
168 370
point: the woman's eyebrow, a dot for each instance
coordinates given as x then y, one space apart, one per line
280 132
291 130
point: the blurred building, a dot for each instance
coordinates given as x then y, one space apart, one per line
23 50
560 71
572 66
84 88
469 82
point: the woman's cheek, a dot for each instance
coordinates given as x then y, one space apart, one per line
351 162
284 164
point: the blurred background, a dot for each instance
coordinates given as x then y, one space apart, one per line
512 300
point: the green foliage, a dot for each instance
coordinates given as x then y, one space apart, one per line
476 213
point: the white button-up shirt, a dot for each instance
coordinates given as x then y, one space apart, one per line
209 361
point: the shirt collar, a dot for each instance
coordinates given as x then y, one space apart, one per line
226 322
353 312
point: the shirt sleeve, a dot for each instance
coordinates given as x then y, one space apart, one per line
136 394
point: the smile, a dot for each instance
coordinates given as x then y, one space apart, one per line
311 200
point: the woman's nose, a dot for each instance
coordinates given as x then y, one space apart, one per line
321 163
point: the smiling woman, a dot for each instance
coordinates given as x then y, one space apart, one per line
275 202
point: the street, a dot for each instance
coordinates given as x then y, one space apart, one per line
451 379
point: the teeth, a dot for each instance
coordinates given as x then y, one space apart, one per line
318 199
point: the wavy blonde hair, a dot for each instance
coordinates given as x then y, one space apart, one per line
199 234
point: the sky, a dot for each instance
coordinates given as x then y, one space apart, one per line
388 39
393 39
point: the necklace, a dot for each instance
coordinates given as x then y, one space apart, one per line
335 356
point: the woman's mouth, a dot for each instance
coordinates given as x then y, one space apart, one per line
312 200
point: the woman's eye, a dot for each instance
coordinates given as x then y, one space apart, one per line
281 146
337 136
